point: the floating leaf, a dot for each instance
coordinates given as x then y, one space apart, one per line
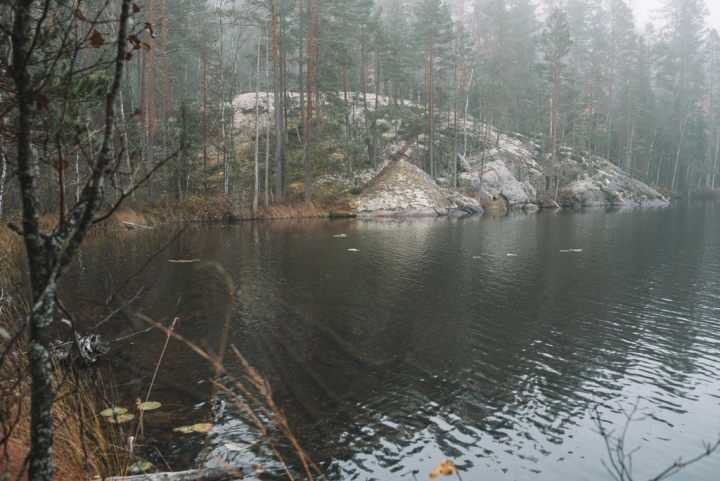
233 447
123 418
128 56
79 14
195 428
353 250
96 39
202 427
260 469
135 8
113 412
149 406
139 467
144 45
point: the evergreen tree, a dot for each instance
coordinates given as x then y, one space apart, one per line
556 43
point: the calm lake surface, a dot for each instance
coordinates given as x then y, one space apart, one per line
429 342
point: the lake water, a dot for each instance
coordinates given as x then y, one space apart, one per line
477 340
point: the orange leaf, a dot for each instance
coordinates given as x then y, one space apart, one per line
135 8
144 46
446 468
96 39
79 14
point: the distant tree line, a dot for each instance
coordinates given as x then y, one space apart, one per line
572 72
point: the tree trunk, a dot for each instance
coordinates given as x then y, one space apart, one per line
278 107
673 186
717 148
126 154
151 109
257 131
49 255
267 124
308 110
3 169
166 90
301 63
204 89
431 110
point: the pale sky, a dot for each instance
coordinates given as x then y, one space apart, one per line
644 11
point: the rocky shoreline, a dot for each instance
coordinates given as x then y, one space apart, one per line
509 176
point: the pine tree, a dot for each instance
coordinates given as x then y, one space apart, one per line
556 43
433 29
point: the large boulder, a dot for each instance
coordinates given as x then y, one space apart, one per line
498 182
609 185
401 189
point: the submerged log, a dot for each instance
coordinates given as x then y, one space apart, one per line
212 474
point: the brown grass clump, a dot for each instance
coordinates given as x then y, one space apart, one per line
83 447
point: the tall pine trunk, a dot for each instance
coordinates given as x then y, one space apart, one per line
308 110
257 132
151 109
278 107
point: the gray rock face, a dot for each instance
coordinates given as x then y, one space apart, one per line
608 186
513 168
401 189
511 174
498 182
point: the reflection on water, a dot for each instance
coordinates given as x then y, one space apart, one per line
430 341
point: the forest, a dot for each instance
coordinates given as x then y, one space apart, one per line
577 72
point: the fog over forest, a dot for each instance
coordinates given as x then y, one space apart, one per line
579 73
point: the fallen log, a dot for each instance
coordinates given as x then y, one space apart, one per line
212 474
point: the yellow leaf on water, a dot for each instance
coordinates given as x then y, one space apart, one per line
184 429
149 406
202 427
112 412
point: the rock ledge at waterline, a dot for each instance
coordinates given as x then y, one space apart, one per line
401 189
513 171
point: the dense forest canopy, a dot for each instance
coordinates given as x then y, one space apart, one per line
576 72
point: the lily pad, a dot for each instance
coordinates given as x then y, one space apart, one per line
184 429
149 406
139 467
202 427
113 412
122 418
